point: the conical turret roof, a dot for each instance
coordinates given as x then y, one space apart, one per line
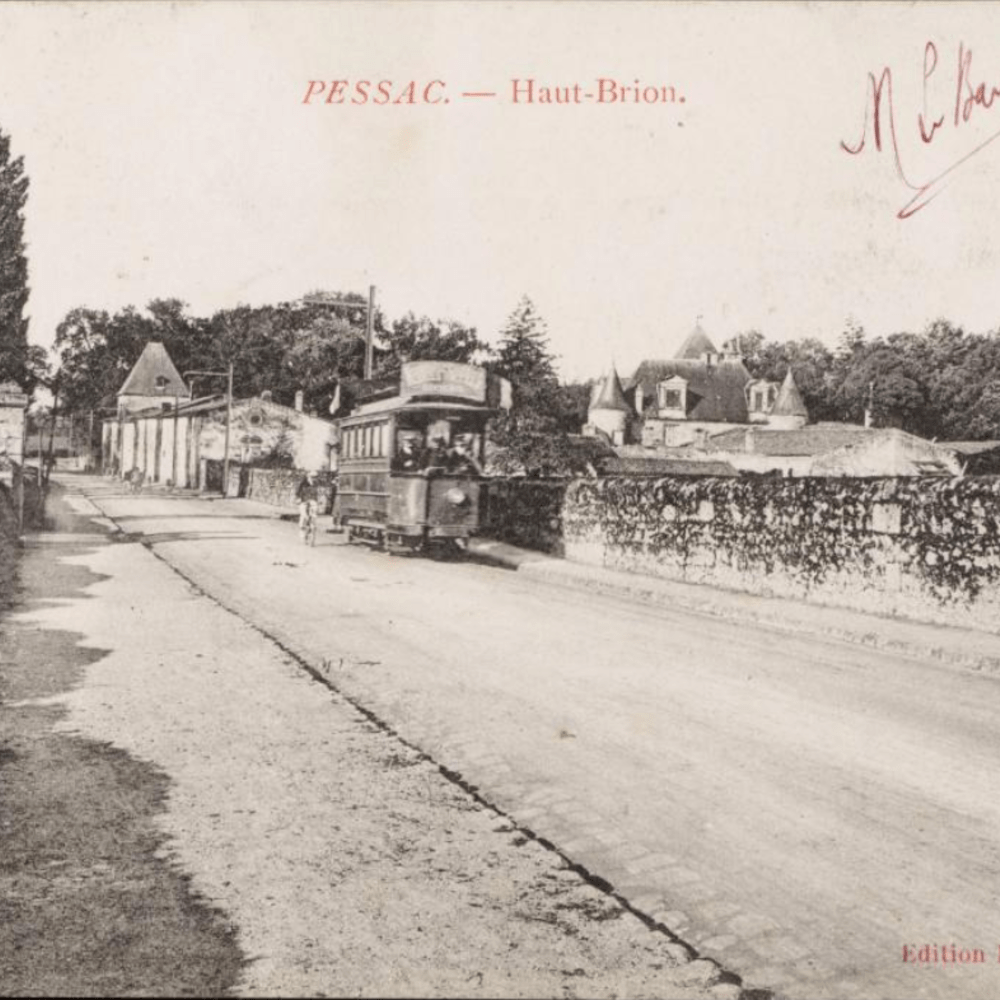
697 344
789 402
611 395
154 363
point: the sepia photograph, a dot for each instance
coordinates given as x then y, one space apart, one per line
500 499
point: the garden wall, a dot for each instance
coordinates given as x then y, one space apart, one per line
10 548
278 486
273 486
926 548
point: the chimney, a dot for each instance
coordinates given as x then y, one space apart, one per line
700 438
299 399
750 440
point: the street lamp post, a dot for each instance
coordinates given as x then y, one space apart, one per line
229 415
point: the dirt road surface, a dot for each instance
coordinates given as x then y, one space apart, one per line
801 811
246 830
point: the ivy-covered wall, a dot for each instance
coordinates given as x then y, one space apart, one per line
525 512
924 548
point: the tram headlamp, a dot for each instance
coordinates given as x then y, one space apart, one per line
456 496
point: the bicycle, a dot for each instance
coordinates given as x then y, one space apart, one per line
307 523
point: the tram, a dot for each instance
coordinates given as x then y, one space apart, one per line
411 455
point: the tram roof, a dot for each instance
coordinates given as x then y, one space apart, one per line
394 404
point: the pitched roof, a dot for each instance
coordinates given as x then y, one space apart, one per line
889 452
154 363
715 392
610 395
812 440
817 439
970 447
696 345
653 466
789 402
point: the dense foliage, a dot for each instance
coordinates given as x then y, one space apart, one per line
19 362
532 438
942 383
309 345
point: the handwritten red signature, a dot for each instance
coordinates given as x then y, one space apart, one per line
971 99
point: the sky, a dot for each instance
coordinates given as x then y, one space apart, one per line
172 153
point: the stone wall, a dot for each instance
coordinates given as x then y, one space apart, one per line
925 548
525 512
277 486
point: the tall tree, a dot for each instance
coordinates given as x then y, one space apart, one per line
16 361
532 436
97 351
523 355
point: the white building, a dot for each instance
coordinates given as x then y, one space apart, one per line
172 437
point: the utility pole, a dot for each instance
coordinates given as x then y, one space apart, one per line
229 422
173 469
229 415
50 460
24 459
369 331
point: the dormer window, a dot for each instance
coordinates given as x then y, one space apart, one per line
671 397
762 397
161 382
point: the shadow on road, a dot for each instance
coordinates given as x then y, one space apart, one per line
86 905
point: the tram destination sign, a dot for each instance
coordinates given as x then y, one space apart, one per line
443 378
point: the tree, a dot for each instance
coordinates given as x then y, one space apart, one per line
97 351
412 339
523 356
16 361
532 436
809 359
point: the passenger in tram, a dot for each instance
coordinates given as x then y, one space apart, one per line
460 458
410 457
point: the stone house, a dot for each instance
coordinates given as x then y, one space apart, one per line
701 390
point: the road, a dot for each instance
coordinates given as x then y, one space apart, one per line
797 810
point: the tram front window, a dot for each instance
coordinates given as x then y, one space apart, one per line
410 452
440 445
